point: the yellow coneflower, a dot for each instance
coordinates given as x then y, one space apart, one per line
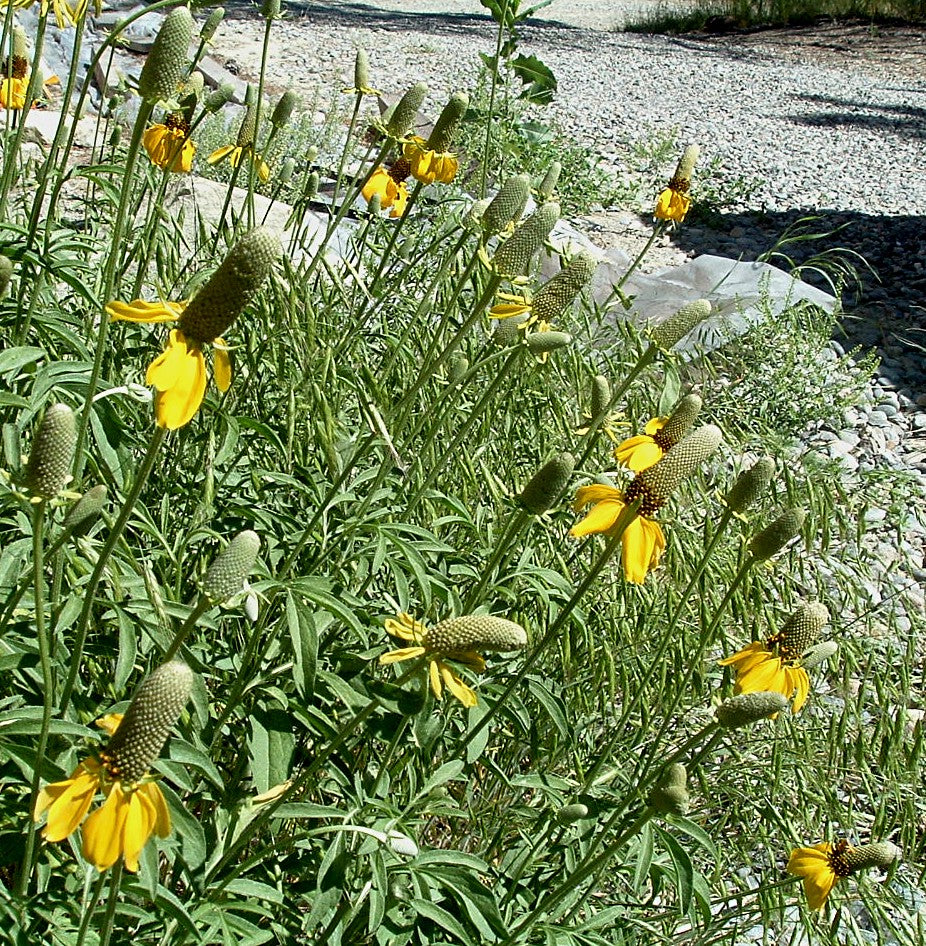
390 186
823 864
169 146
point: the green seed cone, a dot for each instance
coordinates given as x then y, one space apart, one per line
147 723
52 452
684 459
880 854
286 171
448 122
506 331
271 9
85 511
459 365
804 627
515 255
507 205
232 286
815 655
406 111
776 536
549 182
6 273
211 24
475 632
570 814
166 63
219 97
312 184
682 419
362 69
748 708
283 111
686 164
557 294
670 795
542 343
751 484
547 484
668 333
248 128
229 571
20 43
601 395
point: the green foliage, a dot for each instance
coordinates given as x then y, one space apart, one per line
373 451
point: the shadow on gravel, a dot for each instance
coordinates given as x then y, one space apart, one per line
906 120
888 310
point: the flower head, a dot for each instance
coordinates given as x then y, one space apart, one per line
169 146
458 639
775 663
134 808
823 864
429 166
642 539
243 146
673 203
661 434
390 186
179 374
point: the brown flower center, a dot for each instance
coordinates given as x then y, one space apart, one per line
837 859
649 502
680 185
176 122
400 170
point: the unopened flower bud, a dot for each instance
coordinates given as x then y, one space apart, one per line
361 70
52 454
375 204
166 63
212 24
515 255
601 395
85 512
6 273
542 343
816 655
402 844
670 796
232 286
312 184
557 294
147 723
459 365
230 569
749 708
777 535
803 627
193 87
286 171
547 484
219 97
751 484
549 182
570 814
668 333
683 460
507 205
283 111
475 632
880 854
445 128
271 9
406 111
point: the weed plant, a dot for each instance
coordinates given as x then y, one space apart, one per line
300 639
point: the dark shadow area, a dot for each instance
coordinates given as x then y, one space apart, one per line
886 310
906 120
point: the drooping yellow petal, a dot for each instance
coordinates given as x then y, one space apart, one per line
382 184
596 493
222 367
104 830
642 547
672 205
68 802
457 687
166 369
812 864
139 824
138 310
406 628
161 811
401 201
638 453
403 653
220 153
263 169
654 425
801 687
767 675
110 722
180 379
506 310
743 660
434 674
471 659
601 518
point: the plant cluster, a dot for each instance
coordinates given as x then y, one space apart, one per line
300 637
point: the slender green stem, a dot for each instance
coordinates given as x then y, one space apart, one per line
108 282
490 117
615 536
48 689
88 910
115 881
358 101
229 193
518 522
657 231
83 621
202 606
